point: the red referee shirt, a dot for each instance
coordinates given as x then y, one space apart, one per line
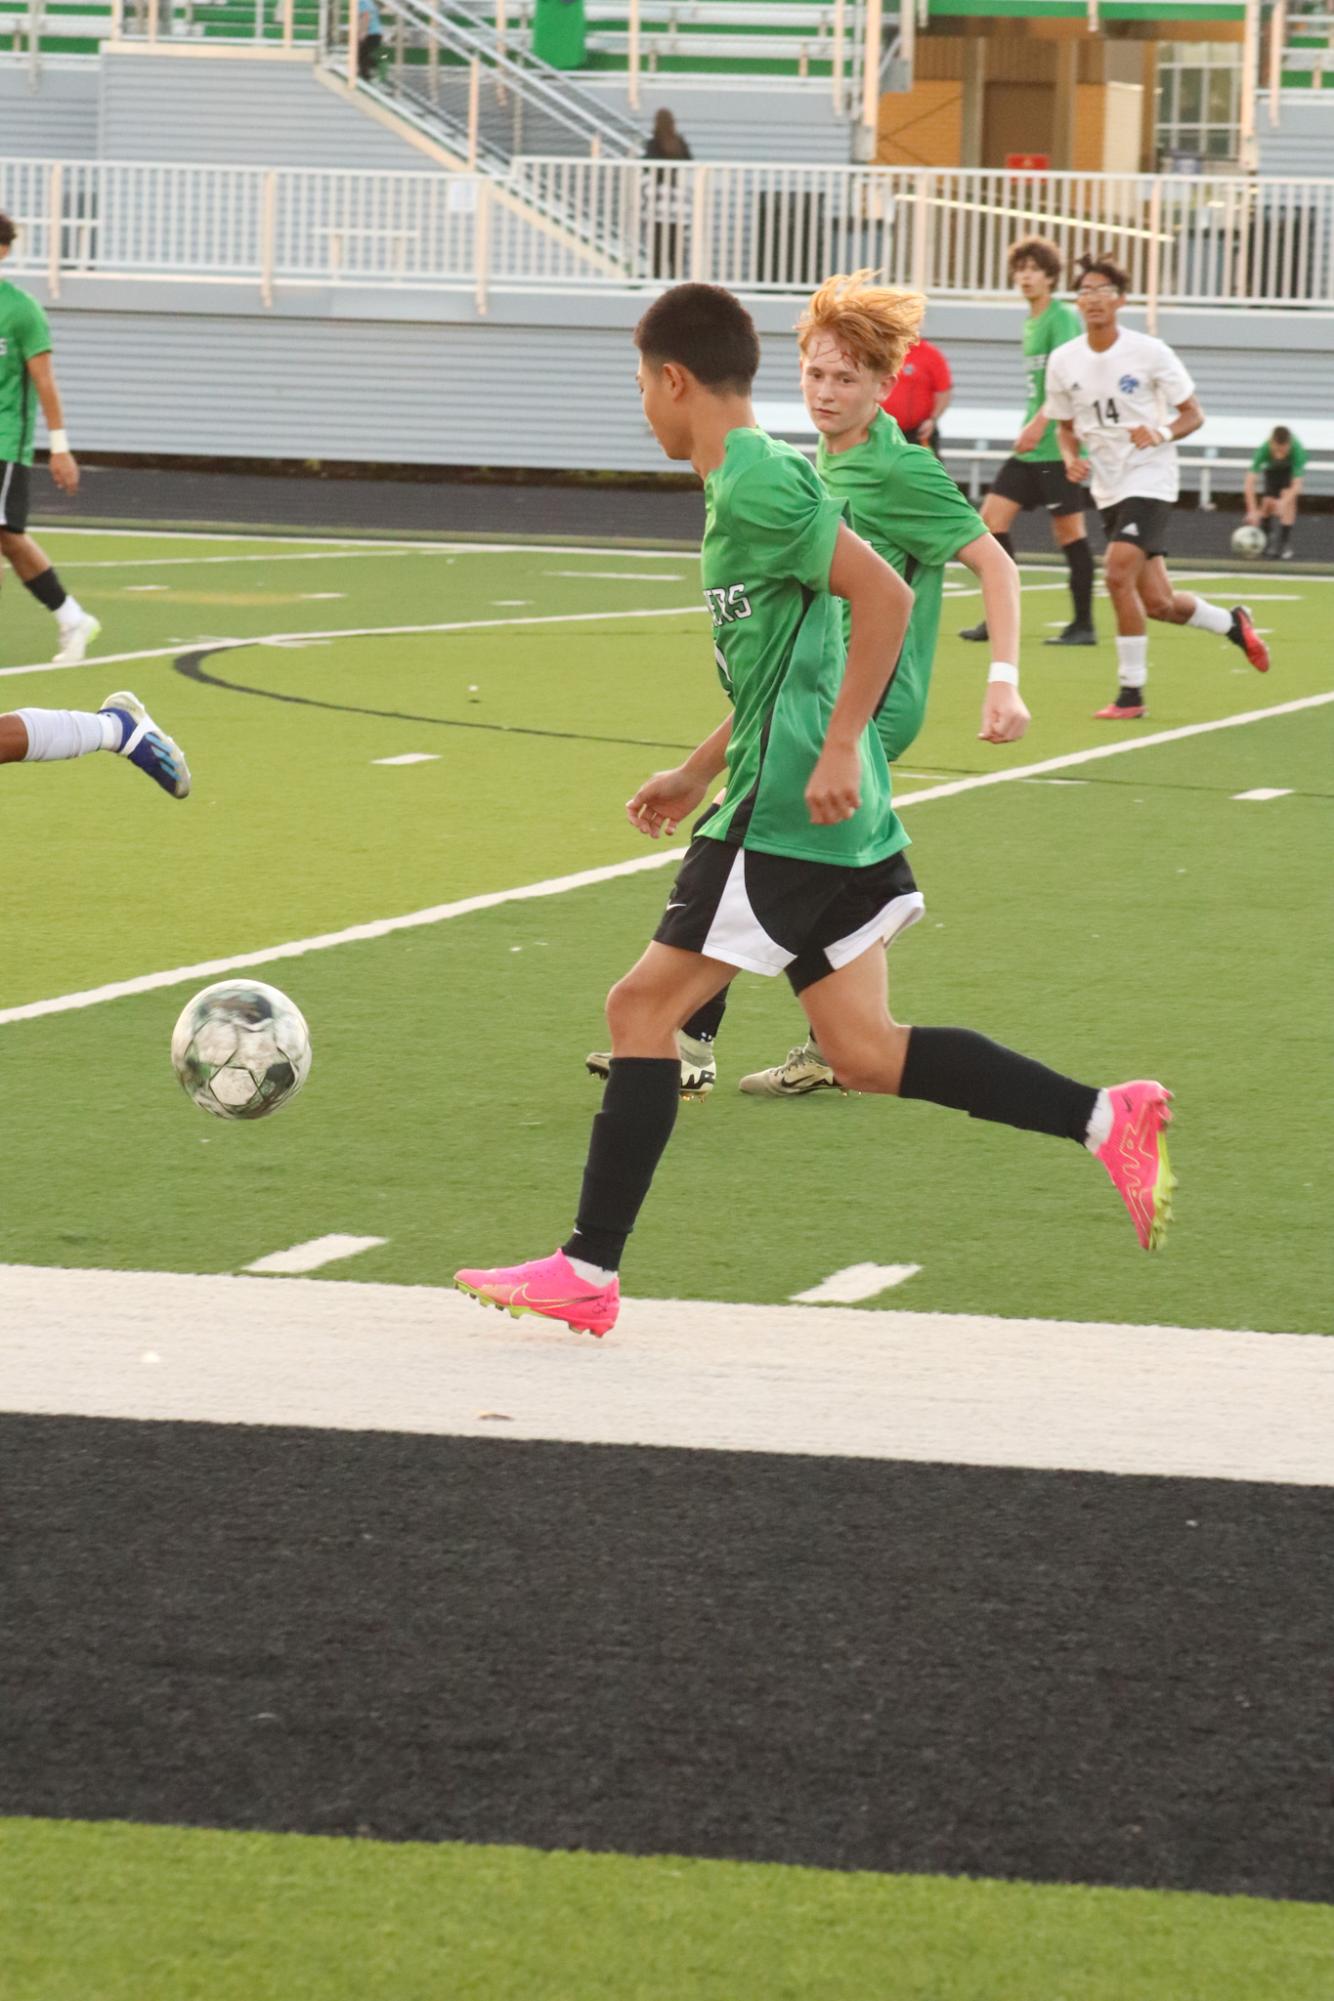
921 379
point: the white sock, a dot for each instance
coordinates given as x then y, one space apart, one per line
590 1274
69 614
60 733
1132 660
1100 1125
1210 617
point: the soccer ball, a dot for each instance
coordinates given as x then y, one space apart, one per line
1248 540
241 1049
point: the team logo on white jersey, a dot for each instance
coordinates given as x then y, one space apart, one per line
1128 384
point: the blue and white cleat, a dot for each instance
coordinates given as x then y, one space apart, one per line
147 746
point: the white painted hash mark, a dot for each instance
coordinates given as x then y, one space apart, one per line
1266 792
854 1282
439 913
319 1251
410 757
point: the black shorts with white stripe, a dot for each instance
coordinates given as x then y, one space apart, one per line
773 914
15 480
1138 521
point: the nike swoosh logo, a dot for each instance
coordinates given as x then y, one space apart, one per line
676 906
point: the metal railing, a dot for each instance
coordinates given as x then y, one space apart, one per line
1206 239
477 89
1186 240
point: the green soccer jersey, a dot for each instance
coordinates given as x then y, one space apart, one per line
1043 332
23 333
903 502
769 535
1297 456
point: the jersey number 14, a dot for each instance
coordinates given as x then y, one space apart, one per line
1107 412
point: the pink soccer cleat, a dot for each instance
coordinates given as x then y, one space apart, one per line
549 1286
1135 1155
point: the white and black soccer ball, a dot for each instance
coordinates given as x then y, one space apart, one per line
241 1049
1248 540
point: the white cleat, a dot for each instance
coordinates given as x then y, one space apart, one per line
74 644
804 1071
699 1066
156 754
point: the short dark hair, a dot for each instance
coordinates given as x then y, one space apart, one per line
1280 435
1039 250
705 329
1104 267
9 229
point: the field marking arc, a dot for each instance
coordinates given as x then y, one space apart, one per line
229 643
383 927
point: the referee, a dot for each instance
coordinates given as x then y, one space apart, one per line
27 379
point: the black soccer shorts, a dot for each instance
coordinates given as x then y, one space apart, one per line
1041 483
15 482
1140 522
772 914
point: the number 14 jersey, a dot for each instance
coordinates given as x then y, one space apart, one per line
1137 380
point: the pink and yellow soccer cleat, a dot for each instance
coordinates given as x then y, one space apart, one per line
1135 1155
548 1286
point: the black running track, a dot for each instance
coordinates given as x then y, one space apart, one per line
568 510
854 1664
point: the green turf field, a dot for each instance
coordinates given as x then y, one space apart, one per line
165 1914
1124 917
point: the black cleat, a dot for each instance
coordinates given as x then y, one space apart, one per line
978 632
1074 634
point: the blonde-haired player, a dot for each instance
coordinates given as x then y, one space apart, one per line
851 339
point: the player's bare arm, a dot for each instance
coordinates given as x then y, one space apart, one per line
1076 468
668 797
1005 715
1189 417
64 465
1031 436
881 604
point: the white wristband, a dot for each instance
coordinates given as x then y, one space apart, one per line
1001 670
60 441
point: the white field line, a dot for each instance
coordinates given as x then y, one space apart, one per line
440 913
371 543
853 1283
840 1381
230 643
336 552
314 1254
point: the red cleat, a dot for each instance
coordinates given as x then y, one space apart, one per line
1115 712
1244 635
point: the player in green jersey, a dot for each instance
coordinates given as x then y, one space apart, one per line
27 379
1035 475
902 501
42 736
801 868
1279 463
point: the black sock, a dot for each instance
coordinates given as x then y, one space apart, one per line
955 1066
47 588
1129 698
1079 561
629 1134
705 1022
1005 542
1284 536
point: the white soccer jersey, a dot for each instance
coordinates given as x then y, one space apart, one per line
1137 380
